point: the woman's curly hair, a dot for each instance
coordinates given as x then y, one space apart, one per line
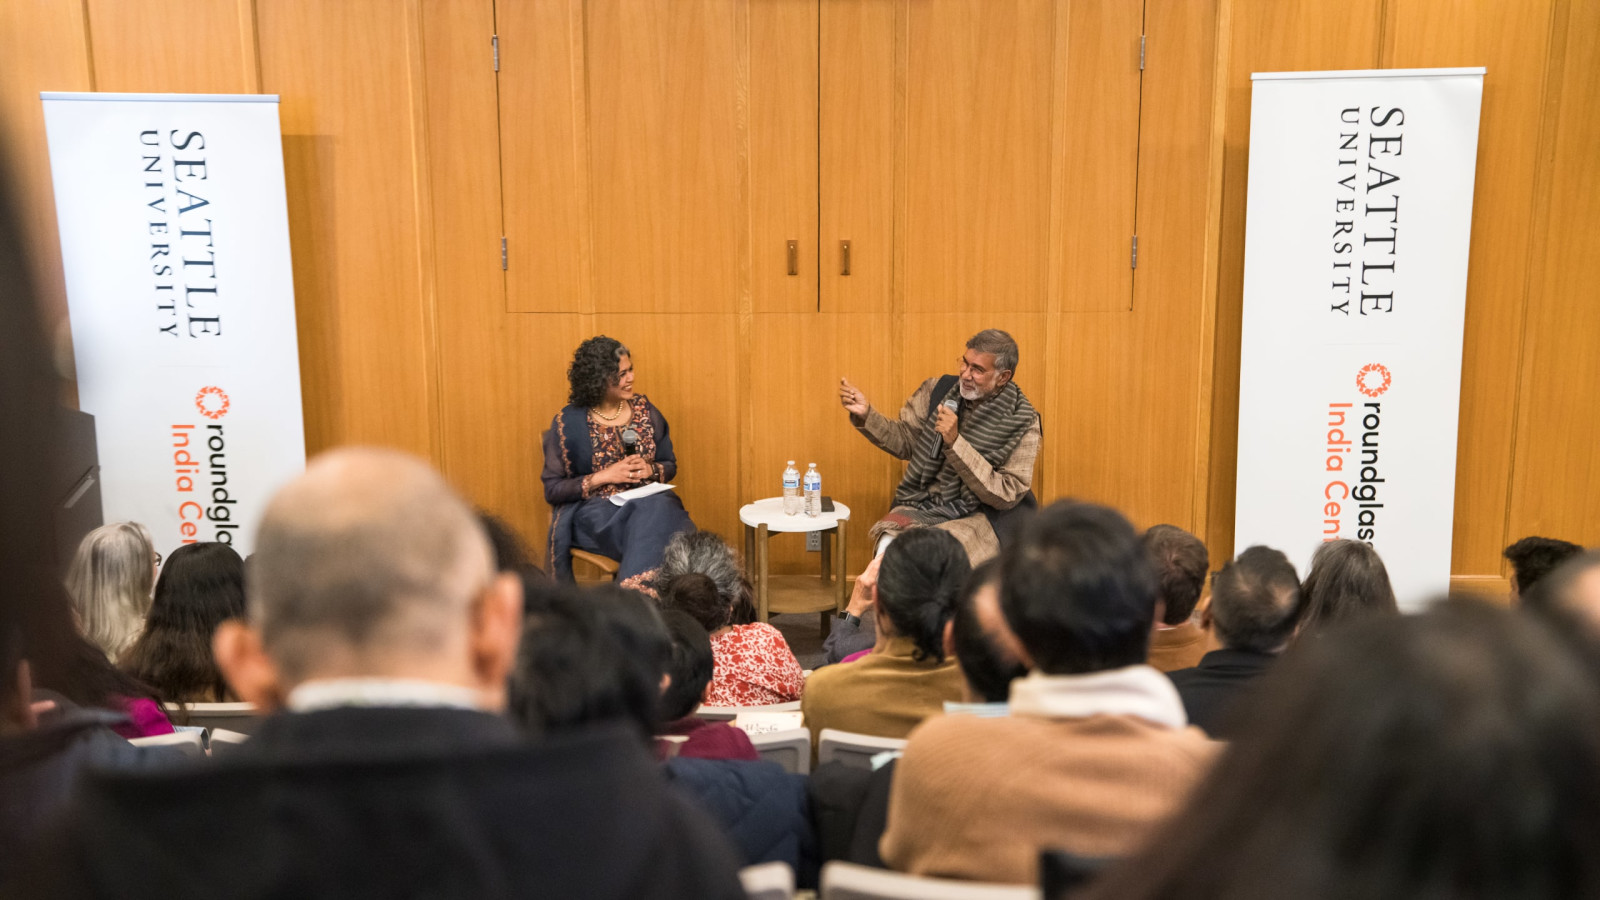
593 369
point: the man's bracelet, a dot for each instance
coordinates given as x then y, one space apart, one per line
851 618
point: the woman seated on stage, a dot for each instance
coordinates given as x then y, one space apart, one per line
607 440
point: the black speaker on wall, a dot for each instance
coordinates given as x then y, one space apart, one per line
77 485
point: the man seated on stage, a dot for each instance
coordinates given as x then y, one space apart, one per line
971 443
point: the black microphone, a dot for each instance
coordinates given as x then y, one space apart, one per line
630 442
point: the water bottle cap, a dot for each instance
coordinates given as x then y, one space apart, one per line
812 465
791 462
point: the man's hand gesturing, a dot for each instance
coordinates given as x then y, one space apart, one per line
852 399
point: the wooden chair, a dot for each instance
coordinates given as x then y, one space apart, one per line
851 749
605 565
847 881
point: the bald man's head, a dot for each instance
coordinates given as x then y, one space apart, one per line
368 561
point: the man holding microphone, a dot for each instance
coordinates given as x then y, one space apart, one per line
970 442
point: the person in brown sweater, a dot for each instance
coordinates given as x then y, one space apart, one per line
1096 750
1181 562
907 676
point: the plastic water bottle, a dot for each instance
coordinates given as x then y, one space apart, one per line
813 491
791 490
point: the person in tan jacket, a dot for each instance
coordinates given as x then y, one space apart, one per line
1178 640
1097 749
907 676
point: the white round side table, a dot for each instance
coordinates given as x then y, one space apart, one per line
795 593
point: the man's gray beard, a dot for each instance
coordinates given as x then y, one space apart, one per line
974 396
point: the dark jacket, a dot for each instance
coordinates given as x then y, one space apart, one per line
1211 690
395 803
759 805
845 639
851 808
39 770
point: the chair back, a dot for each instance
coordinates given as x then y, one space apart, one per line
190 743
851 749
729 713
848 881
768 881
240 717
226 743
790 748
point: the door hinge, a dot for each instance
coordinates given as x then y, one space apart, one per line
1141 55
494 42
1133 258
503 252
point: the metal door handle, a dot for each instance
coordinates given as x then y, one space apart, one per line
794 257
844 257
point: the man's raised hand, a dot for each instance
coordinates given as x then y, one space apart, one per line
852 399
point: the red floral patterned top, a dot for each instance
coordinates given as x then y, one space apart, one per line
753 666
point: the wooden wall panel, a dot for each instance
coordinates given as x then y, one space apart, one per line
1556 480
544 153
1174 287
1510 38
208 46
653 156
344 72
856 144
664 149
1102 152
1266 36
978 92
782 65
45 48
797 363
687 365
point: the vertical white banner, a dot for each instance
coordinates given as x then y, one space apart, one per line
175 245
1356 239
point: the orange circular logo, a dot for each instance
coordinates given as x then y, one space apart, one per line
213 403
1373 379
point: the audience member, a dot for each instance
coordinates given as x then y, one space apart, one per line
510 550
753 663
1181 565
109 582
378 623
855 631
689 672
906 677
201 587
704 553
1448 754
592 658
983 646
1570 592
1347 581
46 746
1096 750
1532 558
1255 603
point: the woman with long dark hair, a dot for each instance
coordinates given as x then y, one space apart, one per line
201 586
1347 581
606 440
906 677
